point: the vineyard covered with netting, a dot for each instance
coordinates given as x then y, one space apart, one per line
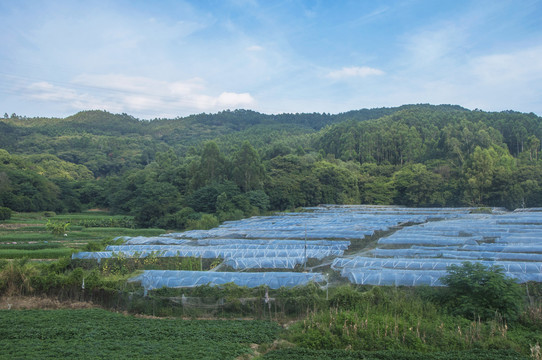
370 245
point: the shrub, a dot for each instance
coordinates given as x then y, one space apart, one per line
206 222
16 277
57 227
478 291
5 213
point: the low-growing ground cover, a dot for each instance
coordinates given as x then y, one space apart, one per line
99 334
309 354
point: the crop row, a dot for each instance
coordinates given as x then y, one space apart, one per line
94 333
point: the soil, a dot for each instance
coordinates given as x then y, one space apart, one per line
41 303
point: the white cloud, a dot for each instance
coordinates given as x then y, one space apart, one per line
255 48
234 99
354 71
141 96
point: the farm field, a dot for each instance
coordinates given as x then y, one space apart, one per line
366 245
99 334
28 235
314 271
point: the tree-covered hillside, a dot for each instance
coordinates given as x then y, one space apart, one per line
197 170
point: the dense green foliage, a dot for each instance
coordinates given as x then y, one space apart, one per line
233 164
472 290
5 213
98 334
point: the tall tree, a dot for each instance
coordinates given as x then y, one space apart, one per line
248 171
211 167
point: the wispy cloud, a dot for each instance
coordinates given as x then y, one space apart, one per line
255 48
183 57
354 71
510 67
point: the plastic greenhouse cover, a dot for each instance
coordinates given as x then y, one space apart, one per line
351 222
430 264
394 277
332 243
512 240
209 253
415 278
155 241
456 254
92 255
519 239
155 279
264 263
505 247
224 247
412 239
162 240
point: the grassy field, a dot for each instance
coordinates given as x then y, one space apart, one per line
99 334
26 234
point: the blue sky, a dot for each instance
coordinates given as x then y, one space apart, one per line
175 58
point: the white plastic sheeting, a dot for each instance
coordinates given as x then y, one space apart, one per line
326 222
430 264
456 254
415 277
418 253
209 253
264 262
394 277
422 253
156 279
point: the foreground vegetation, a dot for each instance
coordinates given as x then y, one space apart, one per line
344 321
99 334
480 314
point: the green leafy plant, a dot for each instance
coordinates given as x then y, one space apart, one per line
474 290
57 228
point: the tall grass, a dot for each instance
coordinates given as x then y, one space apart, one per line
389 318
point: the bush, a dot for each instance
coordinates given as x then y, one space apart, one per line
16 277
5 213
180 219
49 214
478 291
206 222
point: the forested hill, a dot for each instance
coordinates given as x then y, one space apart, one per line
169 172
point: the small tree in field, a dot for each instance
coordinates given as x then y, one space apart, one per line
57 228
475 290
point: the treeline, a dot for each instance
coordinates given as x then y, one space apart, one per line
197 171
